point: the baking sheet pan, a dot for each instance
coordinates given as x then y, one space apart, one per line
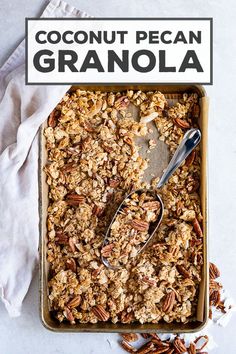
159 158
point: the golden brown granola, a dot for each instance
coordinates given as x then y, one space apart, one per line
131 228
93 161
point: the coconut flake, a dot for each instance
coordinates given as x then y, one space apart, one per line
149 118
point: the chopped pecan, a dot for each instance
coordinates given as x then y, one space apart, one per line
182 123
69 167
122 103
190 159
149 281
183 271
154 205
195 242
71 264
169 302
130 337
73 151
221 306
196 110
128 140
215 298
140 225
214 271
114 182
88 127
100 313
75 302
86 144
61 238
127 317
106 250
128 347
179 345
72 244
97 210
179 208
214 285
107 148
97 270
197 227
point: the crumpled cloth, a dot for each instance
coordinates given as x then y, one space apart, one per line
22 110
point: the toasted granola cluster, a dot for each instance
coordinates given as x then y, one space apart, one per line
93 162
131 228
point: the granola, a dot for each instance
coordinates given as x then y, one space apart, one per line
93 162
131 228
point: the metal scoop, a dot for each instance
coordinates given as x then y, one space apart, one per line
190 140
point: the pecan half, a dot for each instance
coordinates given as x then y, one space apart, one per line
128 347
52 119
106 250
145 335
197 342
71 264
197 227
179 345
168 302
140 225
182 123
100 313
154 205
130 337
192 348
214 271
69 316
74 302
74 199
190 159
183 271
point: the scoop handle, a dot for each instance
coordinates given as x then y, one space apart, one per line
190 140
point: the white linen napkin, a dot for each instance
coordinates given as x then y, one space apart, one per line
22 110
